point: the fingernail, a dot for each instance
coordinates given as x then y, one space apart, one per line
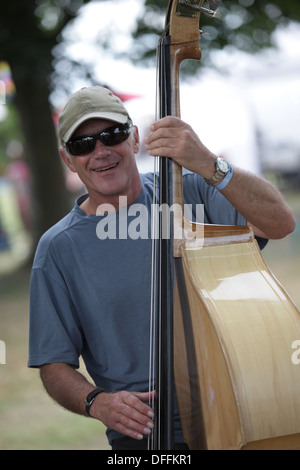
150 424
140 436
150 414
146 431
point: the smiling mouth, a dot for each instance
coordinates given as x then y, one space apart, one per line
99 170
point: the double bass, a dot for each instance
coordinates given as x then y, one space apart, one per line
227 327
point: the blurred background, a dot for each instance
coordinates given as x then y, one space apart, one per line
243 99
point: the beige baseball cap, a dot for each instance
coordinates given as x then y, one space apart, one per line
88 103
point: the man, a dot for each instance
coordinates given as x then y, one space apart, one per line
90 285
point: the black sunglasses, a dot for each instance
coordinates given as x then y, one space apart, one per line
85 144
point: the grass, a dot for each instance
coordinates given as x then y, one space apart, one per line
29 419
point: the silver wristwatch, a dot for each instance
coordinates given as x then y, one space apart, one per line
222 168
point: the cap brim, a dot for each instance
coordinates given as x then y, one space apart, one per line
115 117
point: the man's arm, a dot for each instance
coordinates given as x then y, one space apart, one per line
255 198
124 412
261 204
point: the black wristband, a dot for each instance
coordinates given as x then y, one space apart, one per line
91 397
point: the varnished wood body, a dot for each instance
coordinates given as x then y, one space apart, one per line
234 324
247 392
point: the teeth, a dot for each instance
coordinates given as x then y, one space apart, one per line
106 168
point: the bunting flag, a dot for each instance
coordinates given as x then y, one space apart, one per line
7 86
126 96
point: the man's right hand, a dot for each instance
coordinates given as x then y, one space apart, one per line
125 412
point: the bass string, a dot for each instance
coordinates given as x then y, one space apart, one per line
156 372
154 270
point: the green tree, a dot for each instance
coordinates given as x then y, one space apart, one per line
28 32
244 24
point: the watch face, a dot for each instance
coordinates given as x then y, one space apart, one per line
223 165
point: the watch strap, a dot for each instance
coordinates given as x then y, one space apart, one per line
225 180
218 176
91 397
220 179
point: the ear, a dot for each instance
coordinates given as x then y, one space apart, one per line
67 160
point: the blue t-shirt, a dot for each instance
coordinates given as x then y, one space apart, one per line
90 297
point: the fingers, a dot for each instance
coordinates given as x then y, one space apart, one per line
126 413
133 417
164 136
173 138
169 137
167 121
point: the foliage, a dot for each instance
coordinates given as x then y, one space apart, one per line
30 29
28 32
245 24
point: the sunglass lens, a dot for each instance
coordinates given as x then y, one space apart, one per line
81 146
115 135
121 134
107 137
111 136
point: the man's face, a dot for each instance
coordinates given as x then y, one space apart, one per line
107 172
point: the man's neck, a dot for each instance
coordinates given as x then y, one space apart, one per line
92 207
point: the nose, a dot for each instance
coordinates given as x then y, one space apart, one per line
101 150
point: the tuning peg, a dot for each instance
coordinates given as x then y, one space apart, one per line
213 5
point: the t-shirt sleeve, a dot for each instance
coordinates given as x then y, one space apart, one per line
217 209
54 332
